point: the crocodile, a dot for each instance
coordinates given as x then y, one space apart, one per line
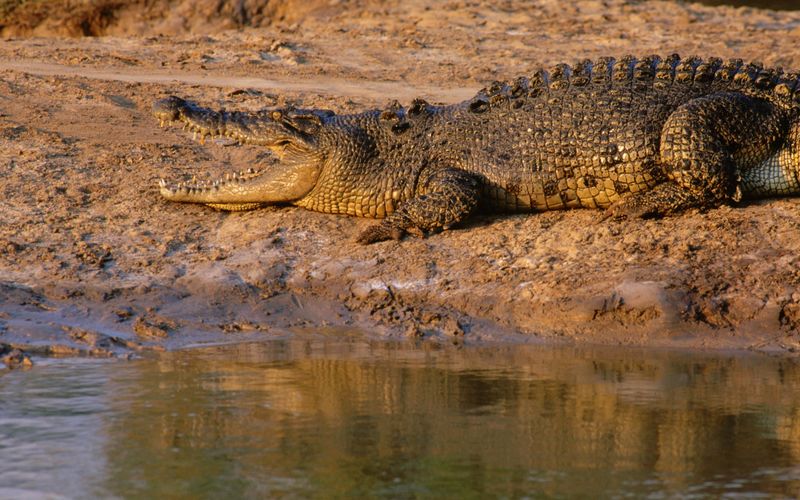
637 137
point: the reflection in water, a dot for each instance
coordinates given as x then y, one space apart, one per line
376 419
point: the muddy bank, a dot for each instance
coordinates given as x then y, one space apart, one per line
75 18
93 261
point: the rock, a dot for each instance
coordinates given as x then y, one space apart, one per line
14 358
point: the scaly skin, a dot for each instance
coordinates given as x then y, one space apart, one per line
635 137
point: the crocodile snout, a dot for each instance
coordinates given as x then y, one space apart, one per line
168 109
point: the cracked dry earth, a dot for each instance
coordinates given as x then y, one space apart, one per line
92 261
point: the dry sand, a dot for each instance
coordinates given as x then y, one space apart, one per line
93 261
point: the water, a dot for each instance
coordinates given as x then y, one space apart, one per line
335 419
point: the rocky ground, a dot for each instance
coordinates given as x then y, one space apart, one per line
92 261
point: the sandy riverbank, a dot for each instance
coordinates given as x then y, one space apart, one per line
92 260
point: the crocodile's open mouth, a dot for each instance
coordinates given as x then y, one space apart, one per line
287 181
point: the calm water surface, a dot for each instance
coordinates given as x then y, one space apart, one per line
341 419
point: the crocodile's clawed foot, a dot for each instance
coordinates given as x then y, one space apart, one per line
380 232
618 211
605 215
383 232
631 207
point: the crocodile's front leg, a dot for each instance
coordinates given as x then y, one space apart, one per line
706 144
443 197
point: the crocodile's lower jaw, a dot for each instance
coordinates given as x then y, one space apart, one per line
236 207
281 183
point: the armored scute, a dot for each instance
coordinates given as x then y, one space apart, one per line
637 137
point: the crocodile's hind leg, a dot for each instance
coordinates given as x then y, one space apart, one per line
704 144
443 197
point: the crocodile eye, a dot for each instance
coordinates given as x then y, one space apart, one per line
276 115
479 104
390 115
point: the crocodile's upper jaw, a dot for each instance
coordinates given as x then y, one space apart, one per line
275 129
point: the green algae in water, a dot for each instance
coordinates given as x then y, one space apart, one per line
354 419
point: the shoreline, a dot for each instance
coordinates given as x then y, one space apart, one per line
92 258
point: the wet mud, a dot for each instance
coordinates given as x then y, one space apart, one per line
93 262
